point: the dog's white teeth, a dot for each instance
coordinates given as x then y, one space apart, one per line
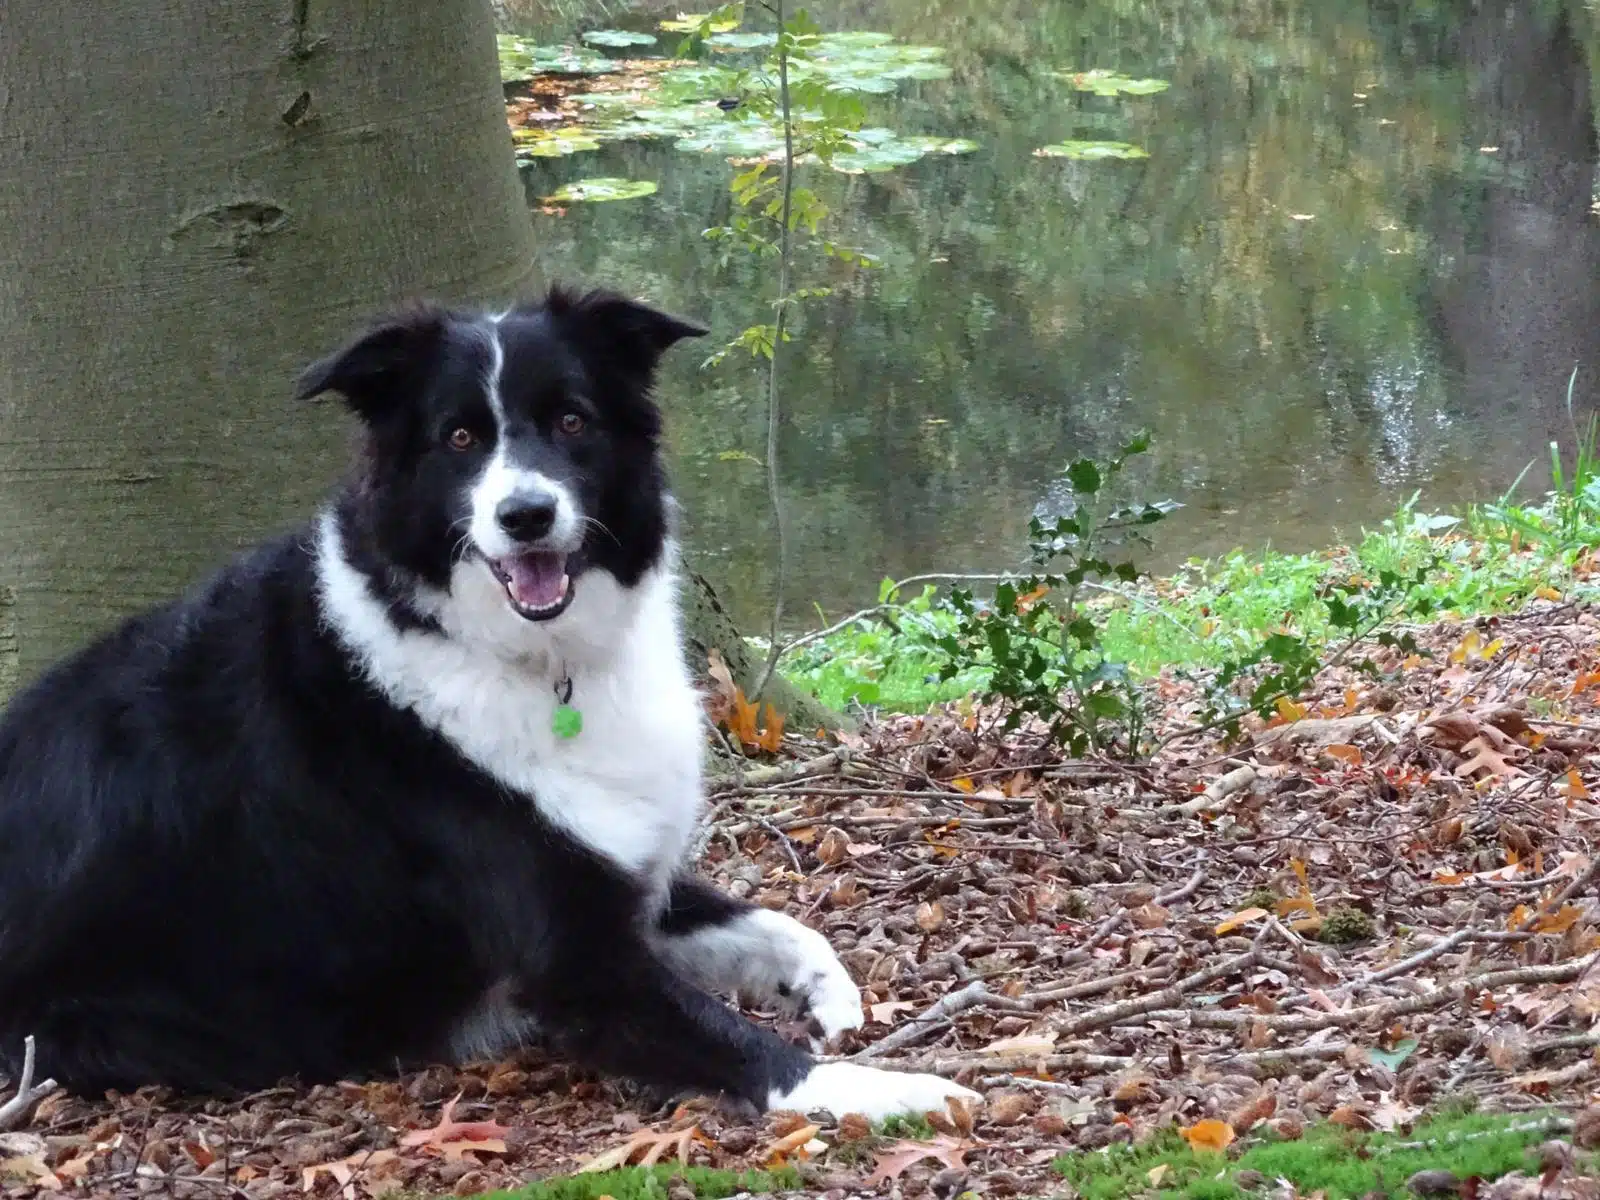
566 582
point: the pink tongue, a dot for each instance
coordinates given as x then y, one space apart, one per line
536 578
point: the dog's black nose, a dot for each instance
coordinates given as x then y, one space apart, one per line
526 518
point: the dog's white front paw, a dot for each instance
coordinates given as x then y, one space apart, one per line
874 1093
818 984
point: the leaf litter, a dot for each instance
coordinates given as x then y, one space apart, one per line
1106 950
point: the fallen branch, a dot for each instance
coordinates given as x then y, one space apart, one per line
1116 1014
16 1110
1093 987
1219 792
759 777
1371 1014
1115 921
974 995
995 1063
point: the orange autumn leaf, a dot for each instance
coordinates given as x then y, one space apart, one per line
771 738
1242 917
1560 921
964 784
1344 753
1211 1135
1289 710
1573 786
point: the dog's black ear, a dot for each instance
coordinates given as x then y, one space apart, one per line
636 333
373 371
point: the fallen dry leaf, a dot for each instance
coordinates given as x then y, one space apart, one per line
644 1148
450 1130
1208 1135
893 1159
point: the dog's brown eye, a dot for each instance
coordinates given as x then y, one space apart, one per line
571 424
461 439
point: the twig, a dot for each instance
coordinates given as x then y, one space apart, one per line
1116 1014
1054 1063
15 1110
1219 792
1114 922
779 321
1093 987
759 777
1371 1014
973 995
1580 881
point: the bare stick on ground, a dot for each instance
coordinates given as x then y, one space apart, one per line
15 1110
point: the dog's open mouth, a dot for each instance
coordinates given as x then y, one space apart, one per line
538 583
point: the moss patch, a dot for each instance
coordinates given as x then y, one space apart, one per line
1337 1162
652 1183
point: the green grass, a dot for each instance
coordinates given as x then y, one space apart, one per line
652 1183
1492 559
1329 1159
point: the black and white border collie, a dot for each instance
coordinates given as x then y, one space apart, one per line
320 817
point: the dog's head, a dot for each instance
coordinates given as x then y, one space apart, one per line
508 457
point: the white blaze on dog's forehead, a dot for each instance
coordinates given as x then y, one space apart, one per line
489 335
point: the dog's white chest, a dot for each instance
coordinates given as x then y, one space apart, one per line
627 785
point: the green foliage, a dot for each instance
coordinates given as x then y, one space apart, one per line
1568 517
906 1126
1253 615
652 1183
1042 647
1329 1159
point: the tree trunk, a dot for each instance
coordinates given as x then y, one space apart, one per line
196 200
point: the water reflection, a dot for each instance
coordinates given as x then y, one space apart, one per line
1359 261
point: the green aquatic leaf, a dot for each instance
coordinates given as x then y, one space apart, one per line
689 22
885 156
1393 1057
618 38
553 143
596 190
522 59
939 145
1111 83
1091 150
735 139
741 41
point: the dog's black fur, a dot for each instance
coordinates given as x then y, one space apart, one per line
226 858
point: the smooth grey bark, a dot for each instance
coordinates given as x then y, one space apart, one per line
196 199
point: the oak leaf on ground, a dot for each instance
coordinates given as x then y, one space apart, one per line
893 1159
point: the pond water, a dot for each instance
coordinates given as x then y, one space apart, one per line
1361 260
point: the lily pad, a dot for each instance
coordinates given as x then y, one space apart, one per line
521 59
618 38
741 41
553 143
869 62
939 145
1091 150
1111 83
596 190
689 22
885 156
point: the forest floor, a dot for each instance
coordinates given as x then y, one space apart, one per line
1380 902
